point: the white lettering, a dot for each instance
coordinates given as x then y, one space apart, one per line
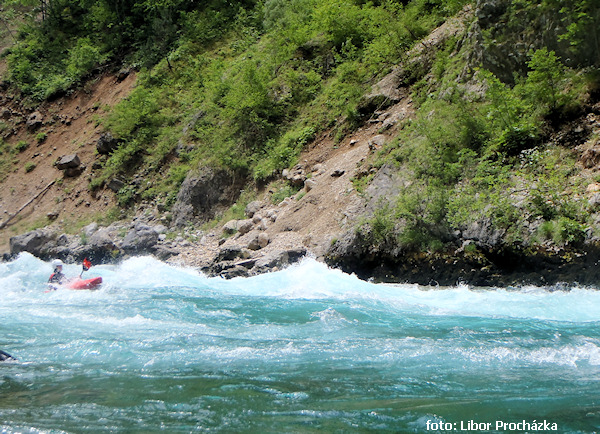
524 426
439 426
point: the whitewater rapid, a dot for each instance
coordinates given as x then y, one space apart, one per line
165 348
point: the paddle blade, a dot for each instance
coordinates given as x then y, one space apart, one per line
87 264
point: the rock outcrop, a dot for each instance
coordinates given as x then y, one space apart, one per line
100 244
204 193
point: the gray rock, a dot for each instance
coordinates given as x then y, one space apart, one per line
272 259
71 161
278 258
229 253
230 227
384 93
484 233
74 172
594 201
263 239
161 229
272 215
39 243
140 239
115 185
90 229
66 240
253 244
235 271
164 252
204 193
309 184
386 185
244 226
34 121
101 238
253 207
5 113
106 144
377 142
296 176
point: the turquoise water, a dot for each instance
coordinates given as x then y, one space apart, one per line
307 349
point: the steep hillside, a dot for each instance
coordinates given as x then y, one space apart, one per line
35 138
431 141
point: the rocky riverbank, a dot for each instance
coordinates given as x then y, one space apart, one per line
244 248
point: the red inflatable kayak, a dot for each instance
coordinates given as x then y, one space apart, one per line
78 283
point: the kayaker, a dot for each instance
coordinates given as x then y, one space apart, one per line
57 276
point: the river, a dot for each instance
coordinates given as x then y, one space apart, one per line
308 349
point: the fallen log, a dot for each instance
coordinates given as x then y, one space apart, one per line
46 188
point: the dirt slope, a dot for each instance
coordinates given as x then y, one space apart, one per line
71 125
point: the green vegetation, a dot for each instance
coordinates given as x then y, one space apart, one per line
481 159
41 137
243 84
21 146
246 85
281 191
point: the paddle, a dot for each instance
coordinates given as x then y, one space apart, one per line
5 356
86 265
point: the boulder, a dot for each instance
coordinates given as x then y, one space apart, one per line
253 243
230 227
5 113
71 161
34 121
263 240
244 226
594 187
106 144
234 271
74 172
388 91
377 142
123 74
296 176
99 247
141 239
115 184
101 237
309 184
594 201
278 258
229 253
38 242
90 229
253 207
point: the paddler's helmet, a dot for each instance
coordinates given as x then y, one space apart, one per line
57 263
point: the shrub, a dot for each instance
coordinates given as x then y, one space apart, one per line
21 146
82 58
29 166
382 226
569 231
282 192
